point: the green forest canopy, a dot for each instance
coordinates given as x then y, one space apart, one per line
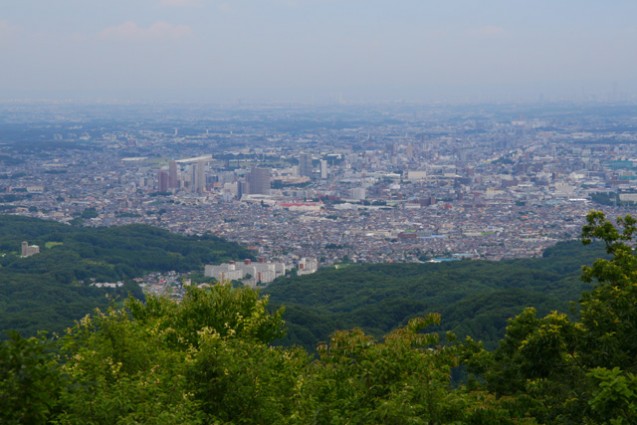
210 360
51 289
475 298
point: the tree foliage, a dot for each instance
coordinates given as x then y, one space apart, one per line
29 380
609 311
52 289
210 360
561 370
475 297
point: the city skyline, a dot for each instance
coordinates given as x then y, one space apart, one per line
323 51
406 185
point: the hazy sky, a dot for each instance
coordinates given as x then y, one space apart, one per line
317 50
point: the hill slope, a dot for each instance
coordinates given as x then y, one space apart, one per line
474 297
50 290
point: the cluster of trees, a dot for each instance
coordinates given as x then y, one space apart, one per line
475 298
210 360
52 289
560 370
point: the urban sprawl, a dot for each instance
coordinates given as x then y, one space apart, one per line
321 186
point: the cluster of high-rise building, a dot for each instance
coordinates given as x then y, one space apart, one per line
184 174
192 175
410 184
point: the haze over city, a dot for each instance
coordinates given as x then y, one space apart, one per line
318 50
295 212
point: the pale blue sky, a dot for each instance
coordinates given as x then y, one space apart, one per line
318 50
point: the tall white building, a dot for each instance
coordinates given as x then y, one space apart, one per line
307 266
198 177
324 169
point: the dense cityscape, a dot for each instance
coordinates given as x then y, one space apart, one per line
384 183
293 212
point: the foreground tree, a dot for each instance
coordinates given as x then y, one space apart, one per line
609 311
150 363
209 359
29 380
564 371
405 379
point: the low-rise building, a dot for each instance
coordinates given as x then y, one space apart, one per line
251 273
29 250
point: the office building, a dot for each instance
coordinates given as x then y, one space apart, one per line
305 165
198 176
324 169
163 179
259 181
173 178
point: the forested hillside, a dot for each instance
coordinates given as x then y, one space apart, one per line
51 289
210 360
475 298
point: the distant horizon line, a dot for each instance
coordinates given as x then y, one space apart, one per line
325 103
